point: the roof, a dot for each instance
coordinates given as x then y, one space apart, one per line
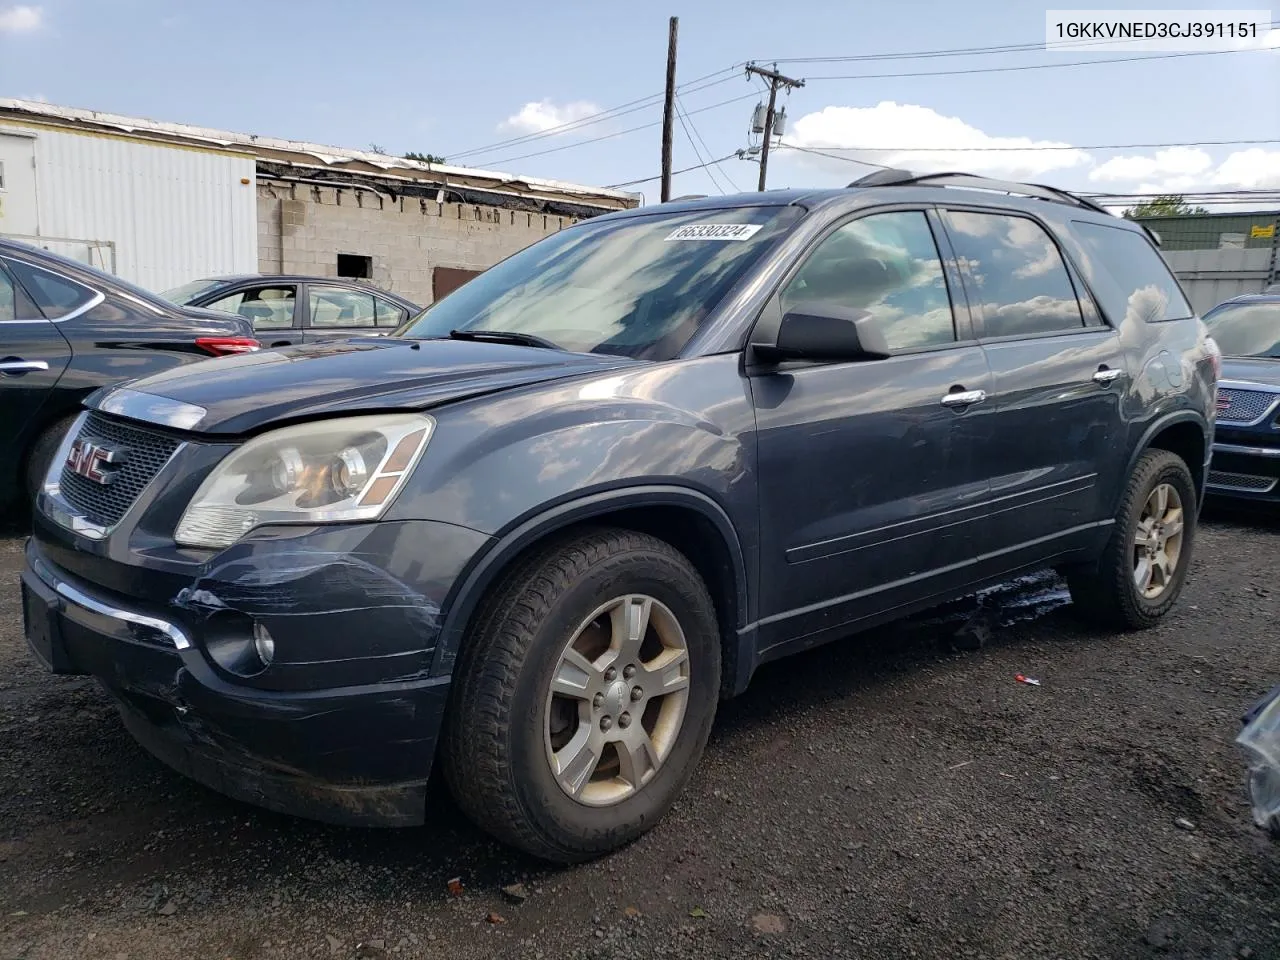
305 158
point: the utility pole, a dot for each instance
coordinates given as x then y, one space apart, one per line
775 80
669 109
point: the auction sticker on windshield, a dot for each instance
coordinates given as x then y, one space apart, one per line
714 231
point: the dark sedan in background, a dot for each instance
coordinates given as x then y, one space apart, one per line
67 329
1246 442
292 309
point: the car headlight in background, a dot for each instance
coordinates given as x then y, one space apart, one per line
324 472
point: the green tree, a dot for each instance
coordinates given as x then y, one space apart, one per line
1168 205
424 157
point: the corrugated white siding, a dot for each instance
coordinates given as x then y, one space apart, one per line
1211 276
173 213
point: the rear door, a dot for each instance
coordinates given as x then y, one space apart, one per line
335 310
872 473
1059 376
272 308
33 352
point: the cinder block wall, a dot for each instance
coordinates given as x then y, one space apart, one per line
303 228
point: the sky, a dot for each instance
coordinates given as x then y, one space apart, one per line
462 80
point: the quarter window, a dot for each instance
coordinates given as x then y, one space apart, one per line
55 296
1129 276
389 315
888 265
270 308
1019 281
334 307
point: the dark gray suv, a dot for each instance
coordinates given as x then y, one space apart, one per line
542 529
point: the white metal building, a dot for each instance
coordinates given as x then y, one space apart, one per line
163 203
154 213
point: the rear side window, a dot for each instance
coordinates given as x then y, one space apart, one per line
1016 275
1129 276
55 296
888 265
335 307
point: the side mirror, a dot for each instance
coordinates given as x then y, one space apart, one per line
826 331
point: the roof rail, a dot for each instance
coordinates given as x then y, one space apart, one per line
897 178
688 196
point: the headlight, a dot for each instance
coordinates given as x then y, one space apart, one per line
324 472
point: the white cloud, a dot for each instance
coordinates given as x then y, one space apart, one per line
541 115
1171 162
892 130
21 19
1254 167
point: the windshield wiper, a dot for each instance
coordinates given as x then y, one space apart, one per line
504 336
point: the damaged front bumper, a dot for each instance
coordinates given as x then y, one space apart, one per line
342 729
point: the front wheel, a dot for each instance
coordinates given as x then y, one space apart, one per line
1144 566
584 695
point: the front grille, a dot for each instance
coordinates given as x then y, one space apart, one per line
145 452
1243 406
1241 481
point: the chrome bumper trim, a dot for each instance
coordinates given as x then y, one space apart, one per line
81 599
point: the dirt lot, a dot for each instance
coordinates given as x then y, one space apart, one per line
883 798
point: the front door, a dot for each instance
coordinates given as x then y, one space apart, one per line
272 308
872 477
1060 374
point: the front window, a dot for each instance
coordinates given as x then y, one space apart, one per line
1246 329
268 308
188 292
636 287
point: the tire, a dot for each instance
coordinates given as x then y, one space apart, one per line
1108 594
502 723
41 456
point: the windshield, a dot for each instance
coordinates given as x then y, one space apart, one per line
1246 329
637 287
189 291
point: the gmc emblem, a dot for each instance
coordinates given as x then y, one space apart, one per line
93 462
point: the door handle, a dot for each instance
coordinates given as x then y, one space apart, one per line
962 398
1106 375
22 366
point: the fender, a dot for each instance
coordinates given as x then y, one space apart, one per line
1161 423
464 599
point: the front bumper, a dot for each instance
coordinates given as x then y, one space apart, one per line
1245 471
357 755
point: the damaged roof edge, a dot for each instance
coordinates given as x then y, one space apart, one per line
316 156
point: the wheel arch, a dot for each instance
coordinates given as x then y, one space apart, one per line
690 521
1184 433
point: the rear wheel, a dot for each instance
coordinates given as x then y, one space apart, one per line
1144 567
584 696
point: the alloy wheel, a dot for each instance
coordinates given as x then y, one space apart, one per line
617 700
1157 542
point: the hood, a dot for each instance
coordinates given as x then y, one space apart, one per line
236 395
1251 370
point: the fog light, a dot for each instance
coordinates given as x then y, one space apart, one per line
263 643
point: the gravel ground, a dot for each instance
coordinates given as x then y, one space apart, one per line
887 797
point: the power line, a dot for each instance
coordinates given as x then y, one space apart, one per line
619 133
686 125
1033 66
631 106
700 166
834 156
1031 149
